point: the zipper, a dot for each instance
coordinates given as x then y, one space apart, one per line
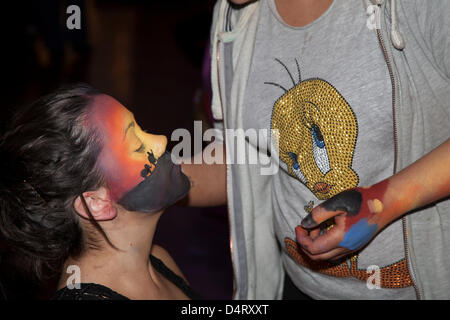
228 209
404 227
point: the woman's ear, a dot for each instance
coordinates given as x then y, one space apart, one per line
98 202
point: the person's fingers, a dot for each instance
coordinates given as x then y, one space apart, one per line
323 243
313 234
332 255
340 257
319 215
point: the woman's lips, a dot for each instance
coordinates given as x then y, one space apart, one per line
322 187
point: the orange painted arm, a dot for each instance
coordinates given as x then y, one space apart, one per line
423 182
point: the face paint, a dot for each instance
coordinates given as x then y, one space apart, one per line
371 203
362 212
348 201
358 234
163 187
138 171
362 208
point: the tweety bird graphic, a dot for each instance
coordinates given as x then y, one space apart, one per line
317 135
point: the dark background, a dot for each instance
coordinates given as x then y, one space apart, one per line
149 55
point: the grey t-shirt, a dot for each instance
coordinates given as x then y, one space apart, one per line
326 88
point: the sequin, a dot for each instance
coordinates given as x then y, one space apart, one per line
394 276
318 130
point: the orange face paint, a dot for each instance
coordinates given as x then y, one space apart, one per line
116 160
130 157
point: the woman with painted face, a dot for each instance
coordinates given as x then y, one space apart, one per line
82 190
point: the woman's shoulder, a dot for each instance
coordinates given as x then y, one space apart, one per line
162 254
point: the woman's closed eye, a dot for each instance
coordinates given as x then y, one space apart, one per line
140 149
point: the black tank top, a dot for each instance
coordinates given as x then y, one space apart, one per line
93 291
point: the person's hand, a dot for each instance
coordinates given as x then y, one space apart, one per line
361 213
344 223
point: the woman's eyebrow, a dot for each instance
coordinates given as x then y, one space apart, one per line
130 125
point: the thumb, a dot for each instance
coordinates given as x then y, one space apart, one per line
317 216
346 202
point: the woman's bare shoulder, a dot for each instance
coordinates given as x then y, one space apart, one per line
162 254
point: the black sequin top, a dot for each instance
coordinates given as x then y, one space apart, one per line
93 291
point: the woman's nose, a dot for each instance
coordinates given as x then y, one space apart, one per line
157 143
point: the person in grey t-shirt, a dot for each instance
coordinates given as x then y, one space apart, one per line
364 140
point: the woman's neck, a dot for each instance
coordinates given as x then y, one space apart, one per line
132 234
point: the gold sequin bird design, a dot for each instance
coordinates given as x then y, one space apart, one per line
317 135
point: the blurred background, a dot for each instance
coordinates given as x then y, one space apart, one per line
153 57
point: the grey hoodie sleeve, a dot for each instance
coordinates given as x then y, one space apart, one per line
433 19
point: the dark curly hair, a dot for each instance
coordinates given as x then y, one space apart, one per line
47 159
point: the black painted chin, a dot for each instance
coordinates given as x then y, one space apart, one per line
163 187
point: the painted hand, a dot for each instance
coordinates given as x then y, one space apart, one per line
358 217
360 213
